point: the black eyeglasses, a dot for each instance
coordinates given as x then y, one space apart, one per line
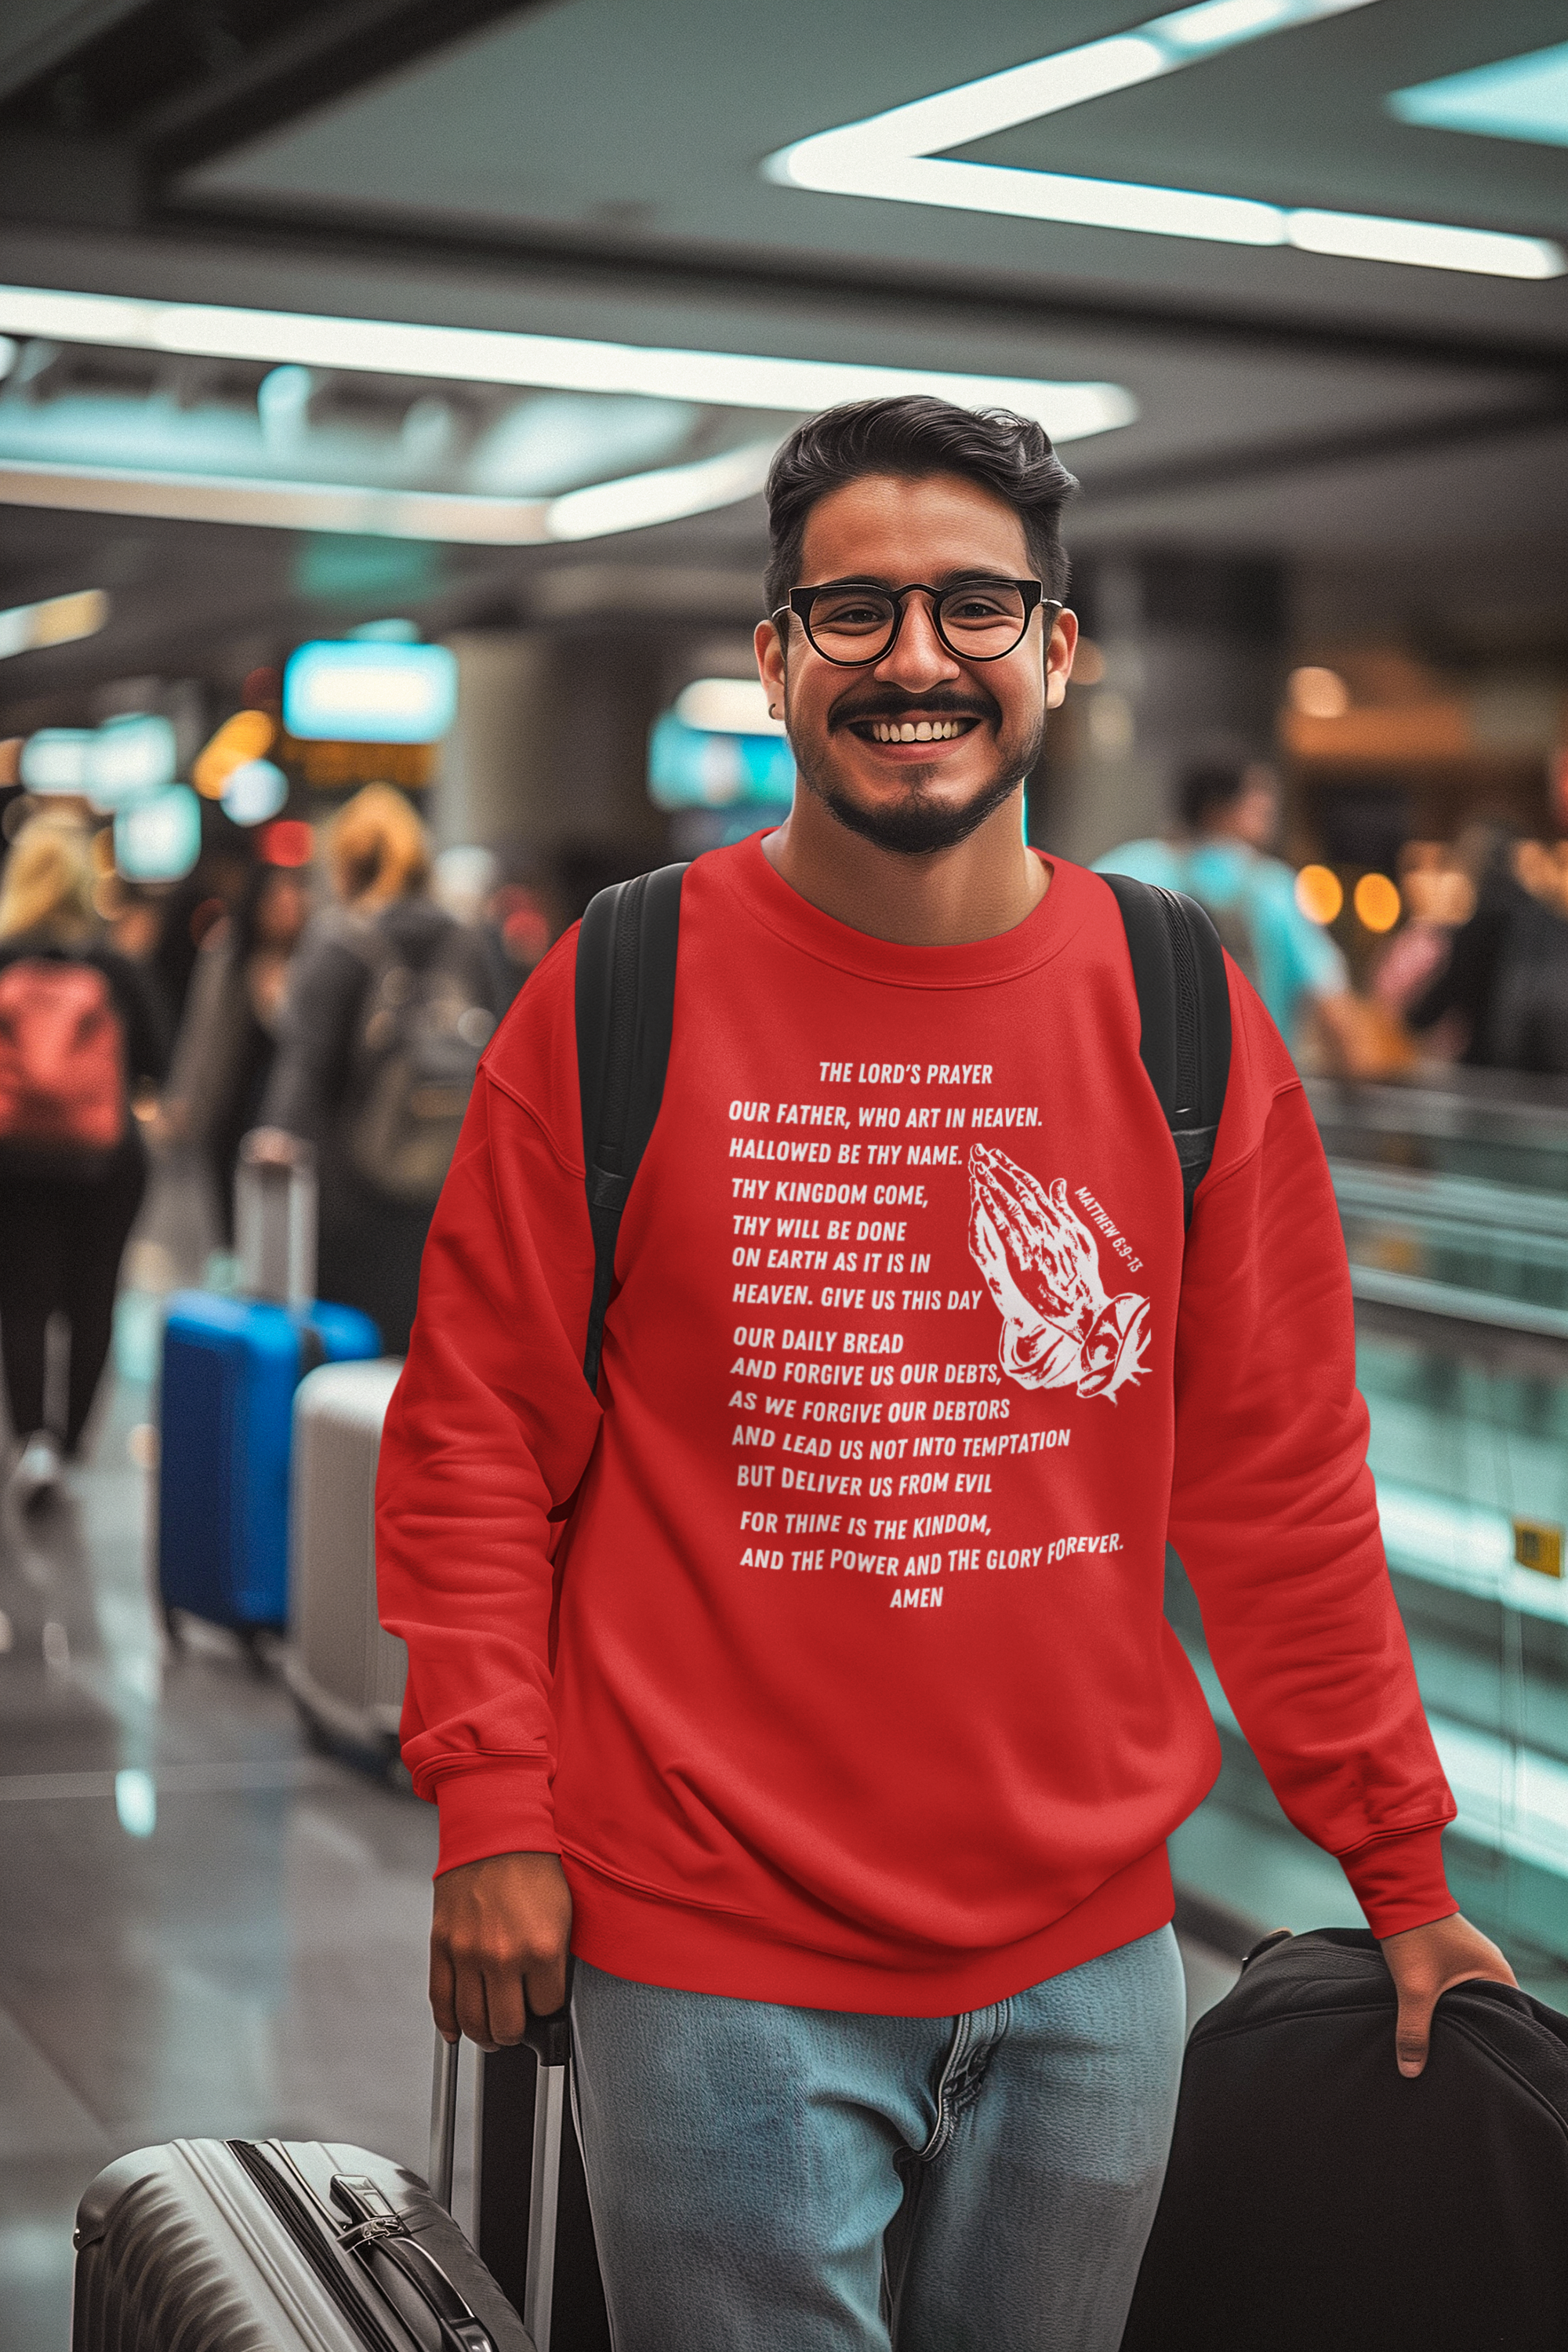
854 622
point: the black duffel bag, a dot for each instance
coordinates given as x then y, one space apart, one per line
1317 2200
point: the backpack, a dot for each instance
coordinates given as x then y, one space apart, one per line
422 1028
62 1067
626 1017
1315 2199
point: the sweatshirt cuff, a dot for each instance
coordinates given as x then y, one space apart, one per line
494 1808
1398 1880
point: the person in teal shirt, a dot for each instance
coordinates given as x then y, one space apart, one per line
1229 809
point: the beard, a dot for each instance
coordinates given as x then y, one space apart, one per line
917 823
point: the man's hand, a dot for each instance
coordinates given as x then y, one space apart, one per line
501 1930
1424 1962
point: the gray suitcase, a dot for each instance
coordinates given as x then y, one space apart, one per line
345 1673
211 2245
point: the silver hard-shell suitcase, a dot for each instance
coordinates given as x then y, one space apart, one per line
211 2245
346 1673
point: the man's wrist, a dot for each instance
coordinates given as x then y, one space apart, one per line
493 1809
1399 1880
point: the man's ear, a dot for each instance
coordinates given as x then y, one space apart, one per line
1060 647
770 650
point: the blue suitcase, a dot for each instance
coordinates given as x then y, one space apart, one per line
230 1370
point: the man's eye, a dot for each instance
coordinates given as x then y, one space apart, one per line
979 604
849 612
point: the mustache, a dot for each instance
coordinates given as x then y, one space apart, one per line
853 710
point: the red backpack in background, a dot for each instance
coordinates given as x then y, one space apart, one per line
62 1068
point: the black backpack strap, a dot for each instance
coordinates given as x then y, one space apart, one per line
1184 1003
625 1015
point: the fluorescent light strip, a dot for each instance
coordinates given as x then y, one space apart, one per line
636 502
58 621
557 362
894 156
666 495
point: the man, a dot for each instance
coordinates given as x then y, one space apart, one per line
1229 807
812 1679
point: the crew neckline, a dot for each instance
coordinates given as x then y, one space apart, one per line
1048 927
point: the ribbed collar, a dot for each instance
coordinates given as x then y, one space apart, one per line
978 963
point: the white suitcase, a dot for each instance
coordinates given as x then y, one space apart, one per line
346 1674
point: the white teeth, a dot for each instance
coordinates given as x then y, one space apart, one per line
911 731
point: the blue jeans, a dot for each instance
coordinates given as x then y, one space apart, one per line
772 2180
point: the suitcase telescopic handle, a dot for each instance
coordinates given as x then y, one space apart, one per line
549 2038
443 2120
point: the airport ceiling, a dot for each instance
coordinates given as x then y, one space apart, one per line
593 170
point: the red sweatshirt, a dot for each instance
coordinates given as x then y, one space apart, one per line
826 1647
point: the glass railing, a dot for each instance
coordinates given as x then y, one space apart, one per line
1454 1200
1487 1124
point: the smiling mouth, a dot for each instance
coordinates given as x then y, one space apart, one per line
912 731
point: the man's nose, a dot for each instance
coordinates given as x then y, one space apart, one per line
917 658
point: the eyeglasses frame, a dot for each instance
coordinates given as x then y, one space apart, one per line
1033 592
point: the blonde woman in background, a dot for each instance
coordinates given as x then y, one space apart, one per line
78 1033
390 1002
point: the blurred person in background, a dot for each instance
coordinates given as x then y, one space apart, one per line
1438 896
528 918
463 884
135 928
1456 1008
1528 1026
1229 811
79 1032
390 1002
228 1038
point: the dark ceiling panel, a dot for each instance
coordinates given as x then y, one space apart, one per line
36 34
641 133
181 82
1299 119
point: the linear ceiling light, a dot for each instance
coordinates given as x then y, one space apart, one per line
896 155
636 502
1069 411
58 621
665 496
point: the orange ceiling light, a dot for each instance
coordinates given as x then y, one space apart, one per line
1319 893
1317 693
1377 903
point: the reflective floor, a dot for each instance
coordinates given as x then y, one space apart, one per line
206 1930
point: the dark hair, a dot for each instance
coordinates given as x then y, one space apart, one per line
1009 455
245 916
1213 780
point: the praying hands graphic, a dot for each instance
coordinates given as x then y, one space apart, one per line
1041 1265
